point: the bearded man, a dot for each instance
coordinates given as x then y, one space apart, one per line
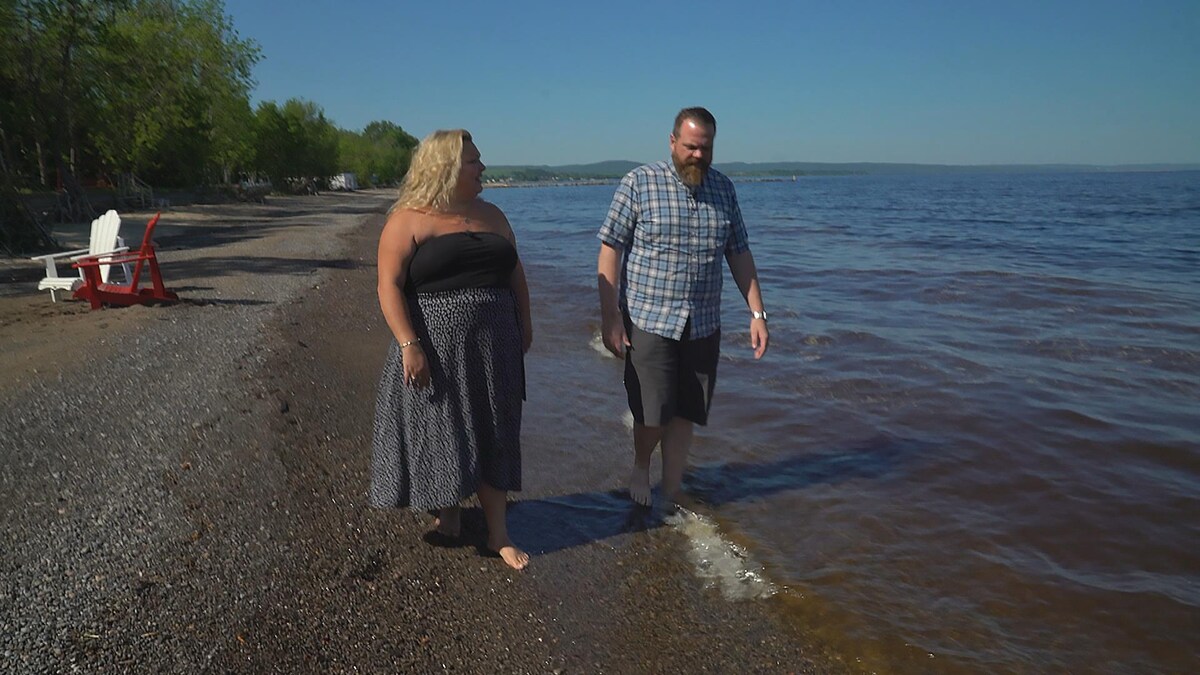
660 274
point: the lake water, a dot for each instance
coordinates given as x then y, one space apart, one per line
974 445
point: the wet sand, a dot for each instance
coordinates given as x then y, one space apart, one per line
183 490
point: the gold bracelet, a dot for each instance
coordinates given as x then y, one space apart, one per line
409 343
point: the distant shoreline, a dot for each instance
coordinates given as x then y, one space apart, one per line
772 178
604 173
549 183
614 181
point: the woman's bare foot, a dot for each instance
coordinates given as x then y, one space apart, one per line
511 555
639 486
449 522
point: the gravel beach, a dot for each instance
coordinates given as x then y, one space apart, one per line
183 490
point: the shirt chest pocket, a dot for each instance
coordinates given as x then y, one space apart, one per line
662 228
695 228
711 230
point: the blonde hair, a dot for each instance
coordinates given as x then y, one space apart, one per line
433 174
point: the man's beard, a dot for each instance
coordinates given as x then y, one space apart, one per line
692 173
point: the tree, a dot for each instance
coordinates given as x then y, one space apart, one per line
93 87
294 141
380 154
178 107
47 74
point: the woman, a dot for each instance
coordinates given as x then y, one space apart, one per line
448 419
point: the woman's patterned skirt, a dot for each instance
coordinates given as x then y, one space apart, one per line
434 445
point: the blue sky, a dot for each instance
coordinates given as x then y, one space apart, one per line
956 82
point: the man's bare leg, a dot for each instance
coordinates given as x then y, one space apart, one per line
676 441
644 441
495 507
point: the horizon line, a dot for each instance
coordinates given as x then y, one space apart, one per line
1195 164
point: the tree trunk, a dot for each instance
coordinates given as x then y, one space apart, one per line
77 208
41 157
20 231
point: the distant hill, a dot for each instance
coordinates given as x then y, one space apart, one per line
598 170
614 169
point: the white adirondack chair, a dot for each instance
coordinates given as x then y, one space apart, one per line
104 241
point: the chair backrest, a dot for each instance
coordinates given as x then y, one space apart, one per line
147 248
104 238
148 238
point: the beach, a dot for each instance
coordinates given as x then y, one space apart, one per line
184 489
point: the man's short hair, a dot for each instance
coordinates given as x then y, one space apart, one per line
698 115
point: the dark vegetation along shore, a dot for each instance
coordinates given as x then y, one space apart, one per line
183 490
84 111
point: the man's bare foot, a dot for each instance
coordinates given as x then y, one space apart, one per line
511 555
449 522
679 501
639 485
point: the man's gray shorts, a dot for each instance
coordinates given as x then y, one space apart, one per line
667 378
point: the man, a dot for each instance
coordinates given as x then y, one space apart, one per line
669 225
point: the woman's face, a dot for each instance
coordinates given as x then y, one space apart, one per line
470 177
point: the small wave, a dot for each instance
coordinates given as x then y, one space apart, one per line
1068 418
627 418
718 561
597 343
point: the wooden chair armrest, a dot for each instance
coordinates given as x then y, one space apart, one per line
51 256
95 260
100 255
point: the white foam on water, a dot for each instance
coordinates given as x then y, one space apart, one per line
597 343
718 561
627 418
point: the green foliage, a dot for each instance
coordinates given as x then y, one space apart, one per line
379 155
180 105
294 141
158 87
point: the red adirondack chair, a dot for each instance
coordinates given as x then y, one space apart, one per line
99 293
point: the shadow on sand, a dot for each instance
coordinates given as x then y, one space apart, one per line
557 523
214 266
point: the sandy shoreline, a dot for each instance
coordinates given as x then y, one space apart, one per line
183 491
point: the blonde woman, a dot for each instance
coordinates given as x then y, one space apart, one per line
453 292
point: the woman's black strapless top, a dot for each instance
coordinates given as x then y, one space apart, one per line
461 260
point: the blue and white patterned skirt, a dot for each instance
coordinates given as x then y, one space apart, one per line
433 445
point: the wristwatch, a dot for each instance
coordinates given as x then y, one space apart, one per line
758 315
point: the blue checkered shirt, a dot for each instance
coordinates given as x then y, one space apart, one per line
674 240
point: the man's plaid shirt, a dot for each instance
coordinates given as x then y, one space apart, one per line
674 241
